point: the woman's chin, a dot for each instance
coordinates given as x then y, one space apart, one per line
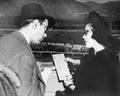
87 46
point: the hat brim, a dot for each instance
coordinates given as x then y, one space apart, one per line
51 21
19 19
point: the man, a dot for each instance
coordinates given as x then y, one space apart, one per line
15 51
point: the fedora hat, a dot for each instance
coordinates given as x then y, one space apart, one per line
33 11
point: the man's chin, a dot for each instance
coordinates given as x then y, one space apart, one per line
40 39
35 42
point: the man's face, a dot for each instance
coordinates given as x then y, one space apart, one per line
88 36
40 31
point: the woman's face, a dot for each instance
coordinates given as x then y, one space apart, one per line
88 36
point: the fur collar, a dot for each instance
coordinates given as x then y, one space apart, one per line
11 74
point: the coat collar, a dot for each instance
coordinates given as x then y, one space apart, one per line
22 39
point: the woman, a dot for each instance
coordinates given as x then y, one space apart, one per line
97 74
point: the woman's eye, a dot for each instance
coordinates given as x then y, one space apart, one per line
85 32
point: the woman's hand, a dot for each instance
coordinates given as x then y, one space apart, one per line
69 60
74 61
68 82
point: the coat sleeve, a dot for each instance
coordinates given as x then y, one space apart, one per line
25 67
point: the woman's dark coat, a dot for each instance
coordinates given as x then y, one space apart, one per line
98 75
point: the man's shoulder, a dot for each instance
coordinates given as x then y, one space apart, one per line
10 44
6 38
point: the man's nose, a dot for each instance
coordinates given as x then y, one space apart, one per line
45 35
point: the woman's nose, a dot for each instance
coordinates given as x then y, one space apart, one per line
83 37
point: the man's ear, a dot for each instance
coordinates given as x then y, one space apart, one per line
34 26
46 20
35 23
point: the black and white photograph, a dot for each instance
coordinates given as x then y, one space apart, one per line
59 47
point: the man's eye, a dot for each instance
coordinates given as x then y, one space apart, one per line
45 28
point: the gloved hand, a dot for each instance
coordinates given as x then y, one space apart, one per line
68 82
74 61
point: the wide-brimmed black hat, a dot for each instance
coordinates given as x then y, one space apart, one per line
33 11
101 33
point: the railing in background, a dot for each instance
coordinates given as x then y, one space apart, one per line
63 39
